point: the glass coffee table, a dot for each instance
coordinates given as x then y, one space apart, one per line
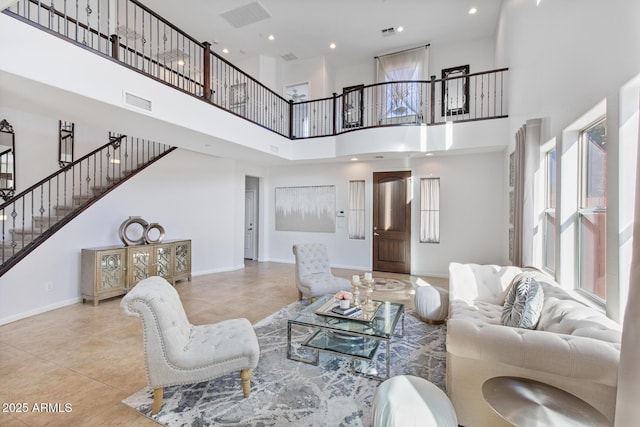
357 339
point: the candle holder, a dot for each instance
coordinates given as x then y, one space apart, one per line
368 303
355 290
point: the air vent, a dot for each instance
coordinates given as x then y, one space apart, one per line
245 15
136 101
386 32
289 56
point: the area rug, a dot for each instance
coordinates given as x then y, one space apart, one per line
290 393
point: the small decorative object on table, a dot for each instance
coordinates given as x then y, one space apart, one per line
368 280
355 288
344 299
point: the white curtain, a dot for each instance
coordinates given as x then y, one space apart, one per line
430 210
628 393
401 99
356 210
518 197
526 161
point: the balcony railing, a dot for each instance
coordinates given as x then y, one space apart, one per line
137 37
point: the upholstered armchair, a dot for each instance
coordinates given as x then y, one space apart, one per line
177 352
313 272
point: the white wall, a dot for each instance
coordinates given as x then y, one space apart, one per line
472 218
193 196
564 58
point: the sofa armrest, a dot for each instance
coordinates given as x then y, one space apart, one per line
560 354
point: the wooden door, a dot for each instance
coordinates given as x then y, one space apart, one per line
392 222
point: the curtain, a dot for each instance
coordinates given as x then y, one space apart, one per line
356 210
518 197
525 250
402 98
430 210
628 393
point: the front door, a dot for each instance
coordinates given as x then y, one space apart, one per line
392 221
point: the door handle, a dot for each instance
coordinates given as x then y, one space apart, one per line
376 234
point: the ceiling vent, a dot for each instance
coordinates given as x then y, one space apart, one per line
245 15
136 101
289 56
386 32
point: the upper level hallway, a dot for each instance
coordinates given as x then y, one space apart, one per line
58 75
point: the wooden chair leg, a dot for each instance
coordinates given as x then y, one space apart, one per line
157 400
300 296
245 376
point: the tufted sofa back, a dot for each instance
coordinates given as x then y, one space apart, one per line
311 258
480 282
158 305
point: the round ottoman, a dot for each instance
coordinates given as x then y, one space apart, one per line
406 400
432 303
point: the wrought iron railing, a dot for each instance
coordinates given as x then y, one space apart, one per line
34 214
133 34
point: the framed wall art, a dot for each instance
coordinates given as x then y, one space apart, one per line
311 208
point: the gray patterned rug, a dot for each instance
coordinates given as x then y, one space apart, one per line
289 393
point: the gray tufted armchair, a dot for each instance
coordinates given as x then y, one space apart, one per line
177 352
313 272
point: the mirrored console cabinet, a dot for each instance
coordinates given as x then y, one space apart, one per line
113 270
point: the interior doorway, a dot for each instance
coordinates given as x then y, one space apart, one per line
251 217
392 221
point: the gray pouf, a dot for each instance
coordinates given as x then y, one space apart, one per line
432 303
409 401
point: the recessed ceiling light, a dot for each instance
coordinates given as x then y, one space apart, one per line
180 62
400 29
429 154
271 37
472 11
225 50
332 45
354 159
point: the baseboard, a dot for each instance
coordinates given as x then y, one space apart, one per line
39 310
217 270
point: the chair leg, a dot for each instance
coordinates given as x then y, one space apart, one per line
300 296
245 376
157 400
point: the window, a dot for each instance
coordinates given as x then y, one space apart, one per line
401 97
430 210
356 210
592 210
549 256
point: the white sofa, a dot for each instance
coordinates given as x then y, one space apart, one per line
574 347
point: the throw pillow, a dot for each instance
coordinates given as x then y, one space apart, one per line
523 304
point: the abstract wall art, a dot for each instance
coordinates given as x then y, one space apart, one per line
309 208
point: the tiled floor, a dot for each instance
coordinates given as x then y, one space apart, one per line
81 361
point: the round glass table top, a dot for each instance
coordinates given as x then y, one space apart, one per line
527 403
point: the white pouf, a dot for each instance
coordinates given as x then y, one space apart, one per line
406 400
432 303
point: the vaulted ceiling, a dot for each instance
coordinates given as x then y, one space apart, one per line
306 28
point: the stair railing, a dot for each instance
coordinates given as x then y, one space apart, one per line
33 215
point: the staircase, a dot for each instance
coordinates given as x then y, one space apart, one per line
32 216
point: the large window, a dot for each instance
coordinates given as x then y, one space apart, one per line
592 211
549 256
430 210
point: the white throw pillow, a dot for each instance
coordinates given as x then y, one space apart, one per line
523 304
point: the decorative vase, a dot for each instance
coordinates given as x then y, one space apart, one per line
344 303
